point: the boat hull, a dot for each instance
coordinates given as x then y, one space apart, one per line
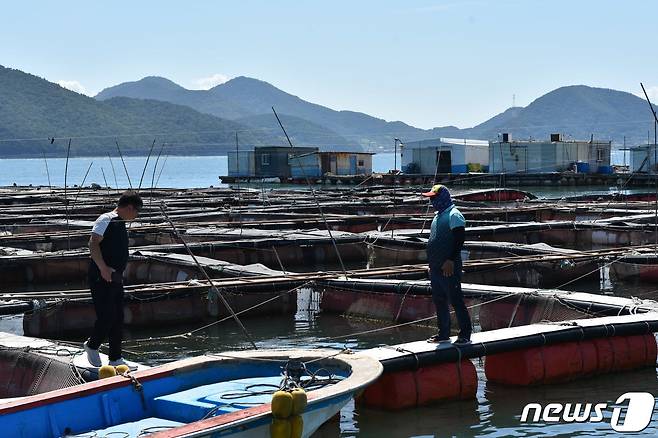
190 398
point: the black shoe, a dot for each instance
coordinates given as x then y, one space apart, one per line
462 341
436 339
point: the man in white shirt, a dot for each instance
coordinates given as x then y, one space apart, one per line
108 247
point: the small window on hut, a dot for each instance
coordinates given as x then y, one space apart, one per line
361 163
599 155
265 159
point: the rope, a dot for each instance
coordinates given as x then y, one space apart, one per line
367 332
315 198
205 274
190 333
402 302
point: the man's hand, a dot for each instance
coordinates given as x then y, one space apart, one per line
448 268
106 273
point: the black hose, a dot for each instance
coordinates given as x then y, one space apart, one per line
479 349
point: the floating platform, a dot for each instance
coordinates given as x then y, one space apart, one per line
466 179
421 373
498 306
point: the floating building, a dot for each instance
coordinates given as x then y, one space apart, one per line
556 155
644 158
445 155
274 161
299 162
346 163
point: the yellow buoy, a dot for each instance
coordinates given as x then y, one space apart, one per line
299 401
106 371
280 428
121 369
281 404
296 426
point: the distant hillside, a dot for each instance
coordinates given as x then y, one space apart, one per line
577 112
506 118
33 108
302 132
260 96
246 97
231 101
157 88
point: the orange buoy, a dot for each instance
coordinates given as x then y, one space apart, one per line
562 362
429 384
392 391
605 355
571 360
446 381
589 357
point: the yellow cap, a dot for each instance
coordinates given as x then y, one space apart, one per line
436 188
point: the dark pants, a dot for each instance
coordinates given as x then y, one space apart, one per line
446 291
108 303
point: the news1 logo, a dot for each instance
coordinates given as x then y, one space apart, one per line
636 418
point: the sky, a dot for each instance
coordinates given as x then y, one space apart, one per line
426 63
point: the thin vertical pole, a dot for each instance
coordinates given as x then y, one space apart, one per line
124 165
315 196
395 157
237 164
205 274
155 167
395 171
106 185
157 181
116 183
66 201
148 157
75 200
655 154
50 187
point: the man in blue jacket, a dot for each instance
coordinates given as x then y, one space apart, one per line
444 256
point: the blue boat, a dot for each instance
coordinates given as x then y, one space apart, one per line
206 396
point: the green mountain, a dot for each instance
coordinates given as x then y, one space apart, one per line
502 119
302 132
577 112
237 100
33 110
244 97
157 88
